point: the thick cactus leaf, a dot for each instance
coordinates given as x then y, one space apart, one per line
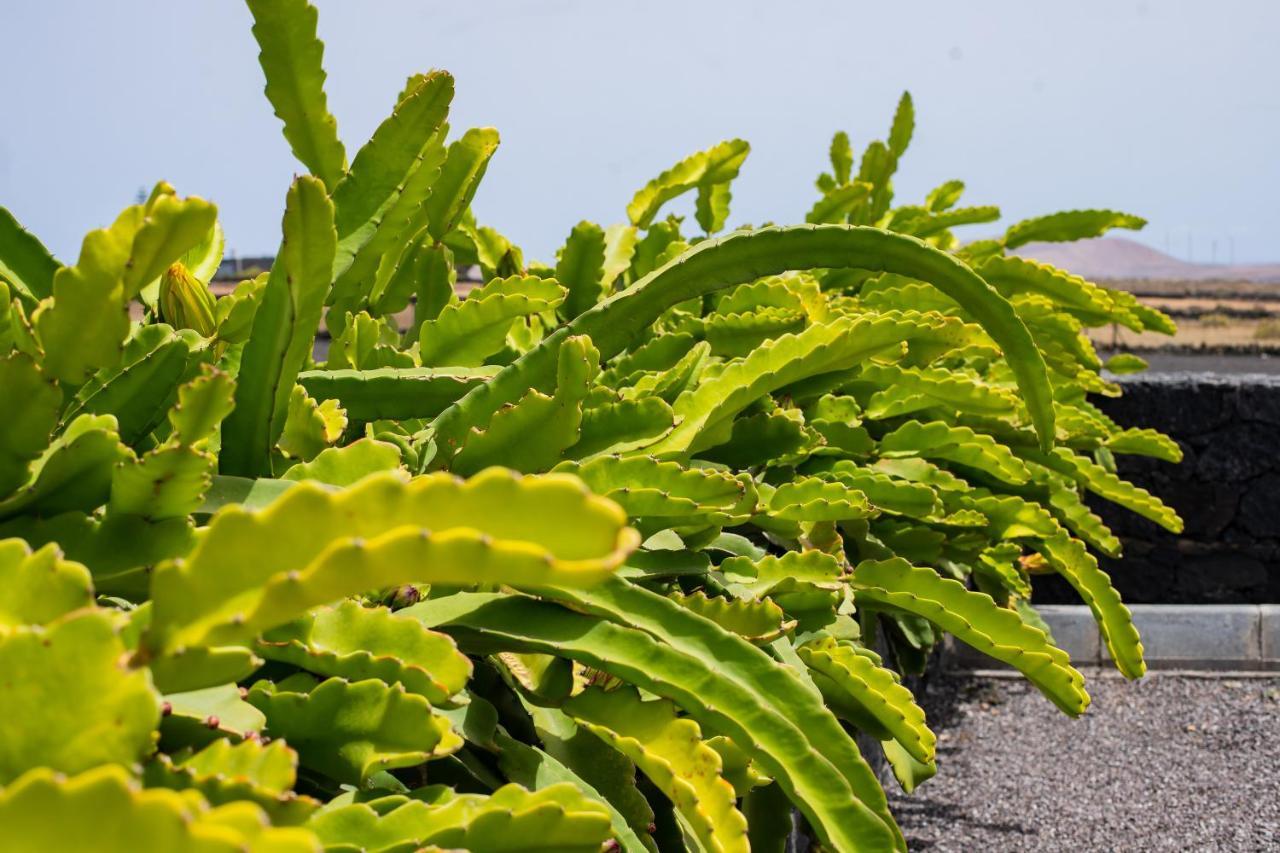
738 769
345 466
631 605
170 229
32 401
202 404
310 427
1003 561
385 163
939 386
737 335
357 642
1069 225
464 167
930 225
1145 442
167 483
16 332
836 205
284 329
1150 319
400 246
1079 568
73 473
619 249
234 312
24 261
877 168
467 332
113 266
119 551
1092 304
937 440
909 772
811 499
620 426
105 811
851 677
71 701
976 619
1068 506
717 165
821 348
201 716
580 268
200 667
272 768
916 470
511 820
648 488
759 621
841 154
904 125
1125 363
802 583
1058 335
658 353
39 587
711 207
351 730
761 576
719 679
885 492
291 55
944 196
137 391
670 384
534 434
366 342
247 771
745 256
670 751
254 570
170 481
394 393
1105 484
759 439
606 771
536 769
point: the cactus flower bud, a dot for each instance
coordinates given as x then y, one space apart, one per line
185 302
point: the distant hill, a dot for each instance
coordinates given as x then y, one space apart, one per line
1116 257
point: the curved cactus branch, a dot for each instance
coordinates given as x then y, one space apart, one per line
617 322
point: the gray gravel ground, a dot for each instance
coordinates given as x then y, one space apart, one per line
1167 763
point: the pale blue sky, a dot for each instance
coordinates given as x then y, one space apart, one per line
1167 109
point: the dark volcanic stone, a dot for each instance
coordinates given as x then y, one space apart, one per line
1227 490
1259 512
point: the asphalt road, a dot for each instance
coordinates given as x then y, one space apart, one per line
1161 362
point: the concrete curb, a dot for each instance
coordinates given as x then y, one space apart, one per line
1208 637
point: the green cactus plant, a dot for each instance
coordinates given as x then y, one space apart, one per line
619 552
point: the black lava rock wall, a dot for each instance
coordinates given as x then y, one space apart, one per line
1227 490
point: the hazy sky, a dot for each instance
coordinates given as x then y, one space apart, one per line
1167 109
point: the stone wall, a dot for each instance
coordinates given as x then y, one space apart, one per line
1227 490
